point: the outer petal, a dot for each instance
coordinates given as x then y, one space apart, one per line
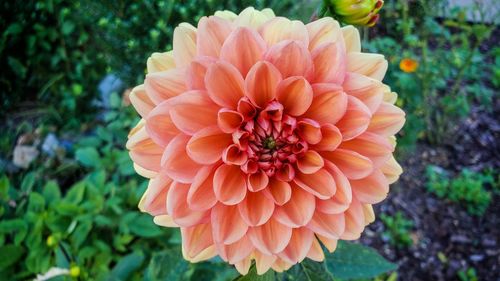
330 244
330 226
323 30
329 63
227 225
207 145
331 138
279 29
352 164
371 145
253 18
196 240
261 83
195 73
279 191
256 209
154 200
371 189
161 86
320 184
160 62
271 237
351 38
291 58
366 89
316 252
371 65
299 245
354 221
388 120
250 48
176 162
356 119
193 111
343 196
143 150
212 32
298 211
224 84
391 170
141 101
178 209
329 103
227 15
159 125
229 184
184 44
295 94
263 262
201 194
237 251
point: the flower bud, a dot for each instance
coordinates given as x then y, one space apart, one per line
74 271
356 12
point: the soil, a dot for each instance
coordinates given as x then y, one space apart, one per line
443 227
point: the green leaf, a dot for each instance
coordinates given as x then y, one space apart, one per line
51 192
309 270
253 276
80 234
28 182
126 266
68 27
4 188
167 265
352 260
143 226
36 203
88 156
9 255
16 66
17 226
75 193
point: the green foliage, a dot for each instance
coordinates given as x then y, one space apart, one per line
467 275
468 188
397 229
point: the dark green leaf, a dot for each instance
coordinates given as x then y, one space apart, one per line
28 182
51 192
143 226
253 276
81 232
18 227
36 203
75 193
126 266
9 255
4 188
167 265
88 156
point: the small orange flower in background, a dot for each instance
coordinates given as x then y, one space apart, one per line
408 65
263 137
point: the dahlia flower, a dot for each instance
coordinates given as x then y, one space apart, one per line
357 12
263 137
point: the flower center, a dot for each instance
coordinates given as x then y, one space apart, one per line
269 143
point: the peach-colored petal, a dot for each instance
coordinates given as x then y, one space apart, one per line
371 145
356 119
330 244
366 89
309 130
371 65
310 162
143 150
389 96
320 184
280 265
212 32
207 145
323 30
141 101
263 262
257 181
159 125
328 225
184 43
329 63
154 200
351 38
165 221
227 225
224 84
316 252
234 155
291 58
227 15
371 189
392 170
201 194
298 210
329 103
261 83
161 86
295 94
256 209
144 172
229 184
388 120
237 251
160 62
279 191
253 18
178 208
330 140
352 164
229 120
243 266
354 221
279 29
195 73
271 237
243 48
299 245
343 196
368 213
176 162
193 111
195 240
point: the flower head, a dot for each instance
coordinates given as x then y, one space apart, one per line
408 65
263 136
357 12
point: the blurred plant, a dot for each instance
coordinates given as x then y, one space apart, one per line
355 12
467 275
397 230
468 188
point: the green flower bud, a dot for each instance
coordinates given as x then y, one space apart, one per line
356 12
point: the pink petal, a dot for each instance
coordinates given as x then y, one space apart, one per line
343 196
329 103
280 28
257 181
310 162
271 237
323 30
201 194
279 191
388 120
356 119
212 32
371 65
184 43
237 251
379 149
371 189
144 151
261 83
299 245
228 120
243 266
207 145
295 94
256 209
316 252
229 184
298 211
154 200
196 239
141 101
224 84
159 125
320 184
330 244
354 221
309 130
178 208
291 58
243 48
233 155
161 86
227 225
352 164
195 74
193 111
366 89
330 226
329 63
263 262
176 162
330 140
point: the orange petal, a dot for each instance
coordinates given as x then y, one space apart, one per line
201 194
161 86
343 196
330 226
212 32
237 251
392 170
257 181
250 48
261 83
141 101
271 237
193 111
159 125
310 162
298 211
351 38
184 43
316 252
176 162
228 226
256 209
243 266
368 213
279 191
330 244
356 119
371 145
371 65
371 189
388 120
329 63
154 200
354 221
233 155
229 184
280 265
291 58
195 74
280 28
309 130
144 151
352 164
165 221
320 184
224 84
366 89
207 145
323 30
263 262
178 208
329 103
295 94
229 120
195 240
330 140
299 245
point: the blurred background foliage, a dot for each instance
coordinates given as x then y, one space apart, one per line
70 199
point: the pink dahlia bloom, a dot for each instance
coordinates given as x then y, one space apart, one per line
263 137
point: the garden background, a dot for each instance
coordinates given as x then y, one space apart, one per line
69 193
